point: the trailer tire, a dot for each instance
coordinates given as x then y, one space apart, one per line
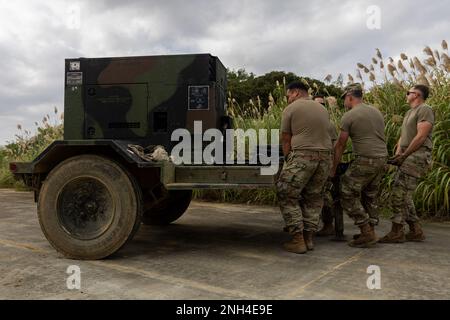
89 207
167 210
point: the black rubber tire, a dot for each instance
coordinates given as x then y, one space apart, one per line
123 204
169 209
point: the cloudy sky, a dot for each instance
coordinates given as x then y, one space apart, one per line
310 38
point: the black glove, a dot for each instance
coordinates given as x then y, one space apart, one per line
397 160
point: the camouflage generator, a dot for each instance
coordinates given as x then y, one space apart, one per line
92 191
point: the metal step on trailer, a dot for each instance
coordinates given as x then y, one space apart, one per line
185 177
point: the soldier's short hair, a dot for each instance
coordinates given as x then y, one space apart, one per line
354 89
297 85
356 93
424 90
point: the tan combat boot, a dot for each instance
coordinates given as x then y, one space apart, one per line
397 234
366 239
356 236
308 236
415 232
296 245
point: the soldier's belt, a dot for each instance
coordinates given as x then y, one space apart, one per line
313 155
370 161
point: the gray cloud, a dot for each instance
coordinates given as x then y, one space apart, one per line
311 38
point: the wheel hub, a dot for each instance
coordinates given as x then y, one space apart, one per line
85 208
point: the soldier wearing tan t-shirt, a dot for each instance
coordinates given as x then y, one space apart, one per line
364 124
413 157
307 150
308 123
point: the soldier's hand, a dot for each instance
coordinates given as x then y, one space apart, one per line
332 174
397 160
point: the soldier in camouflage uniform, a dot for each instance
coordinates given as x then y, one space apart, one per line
364 124
307 150
413 157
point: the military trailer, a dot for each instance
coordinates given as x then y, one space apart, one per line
92 192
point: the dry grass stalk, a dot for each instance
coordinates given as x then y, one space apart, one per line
402 67
428 51
379 55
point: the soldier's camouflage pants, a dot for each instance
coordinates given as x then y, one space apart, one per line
360 188
328 200
300 188
405 184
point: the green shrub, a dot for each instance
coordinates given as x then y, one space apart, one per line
26 146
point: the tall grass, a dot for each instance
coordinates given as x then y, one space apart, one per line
386 82
27 146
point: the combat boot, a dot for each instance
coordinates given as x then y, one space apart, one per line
297 244
308 236
415 232
366 239
356 236
397 234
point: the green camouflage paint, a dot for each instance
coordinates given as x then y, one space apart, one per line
142 98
